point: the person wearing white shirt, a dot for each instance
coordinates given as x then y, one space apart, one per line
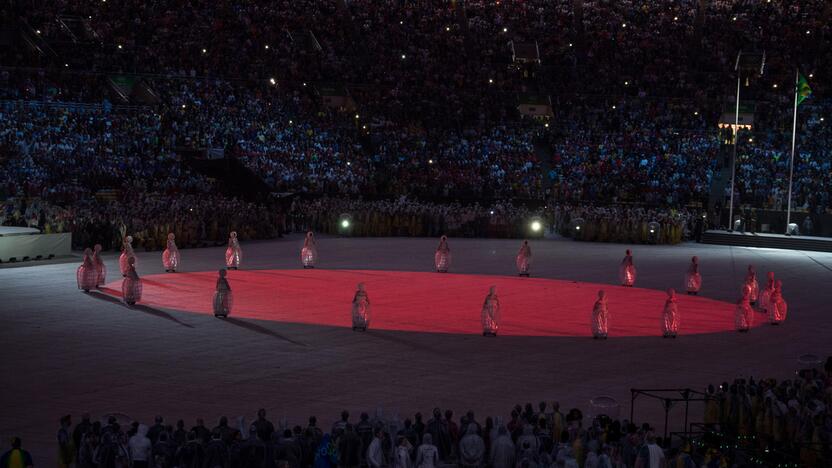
375 454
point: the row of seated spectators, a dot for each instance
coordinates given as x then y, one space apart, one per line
633 150
763 163
280 137
424 57
432 73
746 422
658 152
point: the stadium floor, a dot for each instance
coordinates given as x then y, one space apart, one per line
70 352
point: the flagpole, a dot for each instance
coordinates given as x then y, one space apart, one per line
734 158
791 160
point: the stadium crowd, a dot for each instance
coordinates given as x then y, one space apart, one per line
746 421
434 118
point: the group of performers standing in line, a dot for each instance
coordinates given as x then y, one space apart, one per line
92 274
770 301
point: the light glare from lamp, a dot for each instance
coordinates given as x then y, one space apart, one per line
536 226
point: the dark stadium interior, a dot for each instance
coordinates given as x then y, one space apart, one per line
588 127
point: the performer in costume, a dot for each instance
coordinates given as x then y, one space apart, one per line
442 258
670 315
100 267
693 279
126 254
627 270
765 297
170 257
223 298
233 254
491 313
87 274
751 282
524 259
600 316
777 305
309 252
131 285
360 309
744 315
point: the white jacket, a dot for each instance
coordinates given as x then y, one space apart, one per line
375 455
139 445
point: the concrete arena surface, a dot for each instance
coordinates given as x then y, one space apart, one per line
66 352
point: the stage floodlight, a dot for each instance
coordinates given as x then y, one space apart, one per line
345 224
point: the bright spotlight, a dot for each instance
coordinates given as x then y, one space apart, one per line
577 228
536 226
345 224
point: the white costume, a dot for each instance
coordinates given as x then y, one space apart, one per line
233 254
87 274
126 254
309 252
670 315
751 283
693 279
360 309
524 259
100 267
777 305
491 313
223 298
442 258
627 270
170 257
765 296
600 316
131 285
744 315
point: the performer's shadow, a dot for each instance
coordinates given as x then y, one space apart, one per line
260 329
399 338
140 307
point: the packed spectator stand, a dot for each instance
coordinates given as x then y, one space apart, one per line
636 93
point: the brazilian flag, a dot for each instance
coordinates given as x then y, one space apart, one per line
803 89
